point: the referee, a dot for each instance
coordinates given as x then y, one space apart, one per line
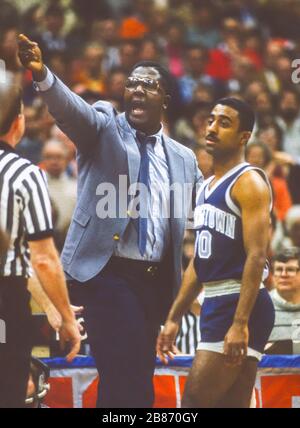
25 215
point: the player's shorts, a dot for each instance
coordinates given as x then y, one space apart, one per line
217 313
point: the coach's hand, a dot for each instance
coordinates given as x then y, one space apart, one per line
31 57
236 343
165 342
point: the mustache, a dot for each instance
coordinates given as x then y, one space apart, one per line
212 137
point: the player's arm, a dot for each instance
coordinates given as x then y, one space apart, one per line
80 121
188 292
252 195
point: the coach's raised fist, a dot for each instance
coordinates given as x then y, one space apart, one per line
31 57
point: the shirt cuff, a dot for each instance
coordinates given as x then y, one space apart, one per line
38 236
45 84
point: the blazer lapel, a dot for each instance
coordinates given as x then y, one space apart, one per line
133 153
177 181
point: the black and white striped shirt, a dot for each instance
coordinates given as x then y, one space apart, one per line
189 334
25 210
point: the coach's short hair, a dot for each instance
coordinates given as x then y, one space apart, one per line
167 80
245 111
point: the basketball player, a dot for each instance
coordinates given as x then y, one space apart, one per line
232 229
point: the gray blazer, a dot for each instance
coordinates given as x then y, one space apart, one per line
107 148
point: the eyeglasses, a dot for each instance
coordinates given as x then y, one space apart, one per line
148 85
289 270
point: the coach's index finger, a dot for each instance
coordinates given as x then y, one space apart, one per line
24 42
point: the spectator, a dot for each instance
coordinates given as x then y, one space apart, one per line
204 93
45 120
252 90
204 29
115 85
30 146
253 44
160 18
149 50
293 227
263 106
128 52
61 187
286 299
57 134
258 154
8 48
227 53
191 130
175 47
283 68
271 135
273 50
195 62
51 39
90 76
106 32
289 122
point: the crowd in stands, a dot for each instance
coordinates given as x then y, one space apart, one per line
242 48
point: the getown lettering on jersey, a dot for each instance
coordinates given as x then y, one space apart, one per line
209 216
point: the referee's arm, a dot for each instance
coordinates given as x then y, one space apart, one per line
3 243
44 257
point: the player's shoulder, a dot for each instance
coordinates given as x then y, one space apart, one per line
253 177
251 185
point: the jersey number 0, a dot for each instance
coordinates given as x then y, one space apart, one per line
203 244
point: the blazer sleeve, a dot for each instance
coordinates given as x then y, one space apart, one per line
80 121
198 180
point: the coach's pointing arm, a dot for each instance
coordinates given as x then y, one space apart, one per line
76 118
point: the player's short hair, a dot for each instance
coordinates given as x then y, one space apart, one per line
166 78
245 111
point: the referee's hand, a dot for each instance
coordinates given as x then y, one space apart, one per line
69 336
30 56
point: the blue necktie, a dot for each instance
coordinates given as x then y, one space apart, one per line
144 180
